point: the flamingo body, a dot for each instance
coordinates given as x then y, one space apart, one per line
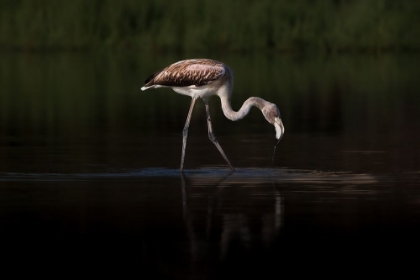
202 78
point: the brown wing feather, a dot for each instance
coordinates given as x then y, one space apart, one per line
197 72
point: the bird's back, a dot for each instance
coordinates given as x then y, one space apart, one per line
189 73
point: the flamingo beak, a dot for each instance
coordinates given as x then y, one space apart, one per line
278 124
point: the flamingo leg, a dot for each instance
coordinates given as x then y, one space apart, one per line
185 133
212 137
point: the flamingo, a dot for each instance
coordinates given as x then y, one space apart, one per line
202 78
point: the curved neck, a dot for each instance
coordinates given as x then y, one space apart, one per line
246 107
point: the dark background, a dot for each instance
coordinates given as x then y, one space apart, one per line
89 180
211 26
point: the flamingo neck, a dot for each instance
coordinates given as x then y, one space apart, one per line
246 107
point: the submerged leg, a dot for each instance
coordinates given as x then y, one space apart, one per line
185 133
212 137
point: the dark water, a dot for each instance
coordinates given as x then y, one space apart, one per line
89 179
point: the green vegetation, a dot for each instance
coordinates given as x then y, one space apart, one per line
214 25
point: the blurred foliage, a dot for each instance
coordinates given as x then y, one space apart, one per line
214 25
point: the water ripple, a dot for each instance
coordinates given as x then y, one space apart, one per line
246 176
